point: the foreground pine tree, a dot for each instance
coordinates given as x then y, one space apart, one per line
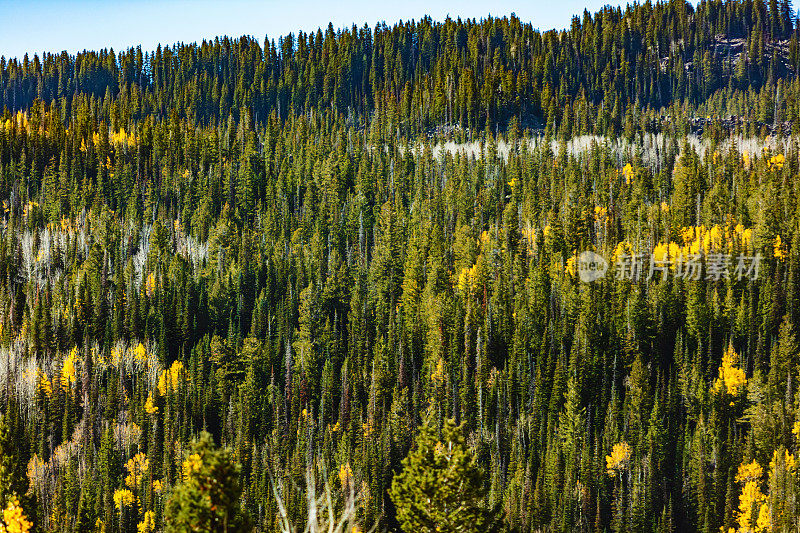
440 488
208 497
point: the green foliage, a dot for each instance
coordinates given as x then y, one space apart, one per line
307 246
440 487
208 497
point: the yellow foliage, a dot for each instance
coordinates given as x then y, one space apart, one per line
660 252
116 356
14 519
148 523
779 250
121 137
731 379
745 235
140 353
367 429
150 284
750 499
28 208
136 467
570 268
623 248
789 462
755 510
150 407
666 252
162 382
529 235
345 475
688 234
477 274
713 239
749 472
171 376
600 213
776 162
693 237
698 239
627 173
21 121
157 487
123 498
619 458
191 465
764 522
463 279
36 469
68 370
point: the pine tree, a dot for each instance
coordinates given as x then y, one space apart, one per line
441 487
208 497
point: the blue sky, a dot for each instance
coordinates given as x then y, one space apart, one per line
34 26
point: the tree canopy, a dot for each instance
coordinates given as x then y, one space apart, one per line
320 248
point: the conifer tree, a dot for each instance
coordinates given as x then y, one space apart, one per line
440 487
208 497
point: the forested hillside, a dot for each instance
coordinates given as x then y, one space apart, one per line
321 248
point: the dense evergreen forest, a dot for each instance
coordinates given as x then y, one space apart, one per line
332 251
